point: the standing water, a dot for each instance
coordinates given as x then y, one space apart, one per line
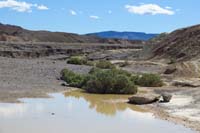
77 112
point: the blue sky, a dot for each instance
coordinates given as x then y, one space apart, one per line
85 16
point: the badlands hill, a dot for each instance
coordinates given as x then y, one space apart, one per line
181 45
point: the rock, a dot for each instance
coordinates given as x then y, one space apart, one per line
64 84
185 83
166 97
170 70
144 99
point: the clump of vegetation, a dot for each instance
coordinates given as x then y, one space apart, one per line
80 60
110 81
103 64
77 60
90 63
73 79
148 80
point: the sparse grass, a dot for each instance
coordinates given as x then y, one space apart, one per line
73 79
90 63
77 60
148 80
103 64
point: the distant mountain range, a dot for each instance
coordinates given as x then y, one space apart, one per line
18 34
124 35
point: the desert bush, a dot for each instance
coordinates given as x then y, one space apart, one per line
124 85
100 81
148 80
110 82
121 72
90 63
103 64
77 60
135 78
73 79
94 70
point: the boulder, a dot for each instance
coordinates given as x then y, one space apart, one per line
64 84
166 97
170 70
144 99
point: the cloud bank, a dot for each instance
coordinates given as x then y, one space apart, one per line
21 6
151 9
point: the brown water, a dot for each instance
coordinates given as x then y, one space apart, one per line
77 112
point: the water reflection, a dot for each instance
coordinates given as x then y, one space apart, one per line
105 104
76 112
19 109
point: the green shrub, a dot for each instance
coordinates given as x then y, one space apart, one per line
124 85
100 83
135 79
105 64
121 72
73 79
110 82
90 63
94 70
149 80
77 60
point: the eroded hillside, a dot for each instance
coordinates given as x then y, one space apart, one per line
180 45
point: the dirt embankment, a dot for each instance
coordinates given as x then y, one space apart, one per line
180 45
36 50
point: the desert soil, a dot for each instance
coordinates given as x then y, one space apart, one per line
31 78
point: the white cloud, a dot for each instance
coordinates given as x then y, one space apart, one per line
94 17
152 9
42 7
168 7
109 12
20 6
72 12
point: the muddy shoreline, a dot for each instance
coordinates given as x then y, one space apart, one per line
162 114
177 110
